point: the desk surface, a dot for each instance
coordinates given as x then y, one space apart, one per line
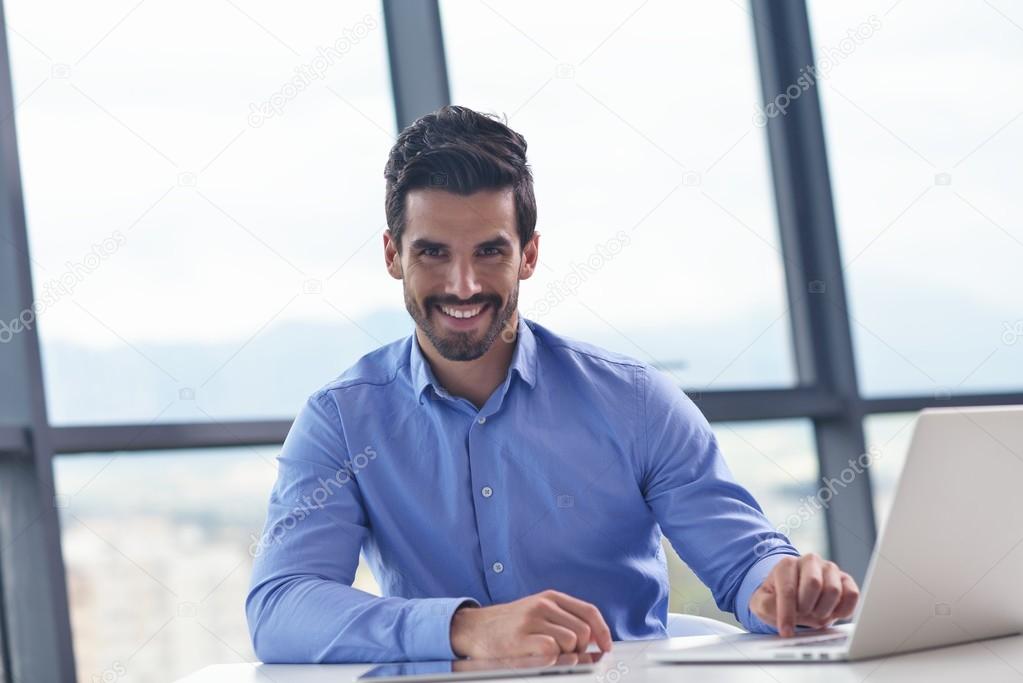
988 661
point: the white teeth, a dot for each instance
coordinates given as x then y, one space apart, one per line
456 313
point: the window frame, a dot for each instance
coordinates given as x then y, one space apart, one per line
35 633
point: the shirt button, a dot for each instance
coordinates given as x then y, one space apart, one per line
487 491
497 567
481 420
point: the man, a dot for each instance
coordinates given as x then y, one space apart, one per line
508 487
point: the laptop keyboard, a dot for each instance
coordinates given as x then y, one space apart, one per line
828 641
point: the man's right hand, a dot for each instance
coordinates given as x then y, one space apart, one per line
546 623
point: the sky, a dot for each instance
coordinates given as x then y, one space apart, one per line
640 122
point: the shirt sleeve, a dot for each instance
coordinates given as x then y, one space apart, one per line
712 522
301 605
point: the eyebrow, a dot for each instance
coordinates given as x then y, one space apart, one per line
423 243
496 242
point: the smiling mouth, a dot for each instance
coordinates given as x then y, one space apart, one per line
463 312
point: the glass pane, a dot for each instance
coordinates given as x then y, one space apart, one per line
888 439
923 137
204 193
654 198
158 559
777 462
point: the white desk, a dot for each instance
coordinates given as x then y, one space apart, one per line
985 662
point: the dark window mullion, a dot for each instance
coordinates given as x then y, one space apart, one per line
815 283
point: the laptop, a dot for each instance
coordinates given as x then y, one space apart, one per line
948 564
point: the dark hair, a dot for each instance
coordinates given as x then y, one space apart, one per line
459 150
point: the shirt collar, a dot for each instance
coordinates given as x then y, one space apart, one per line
523 361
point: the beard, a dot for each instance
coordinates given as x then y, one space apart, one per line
462 346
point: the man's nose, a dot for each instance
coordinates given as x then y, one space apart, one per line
462 280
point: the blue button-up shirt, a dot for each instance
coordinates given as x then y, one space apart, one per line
565 479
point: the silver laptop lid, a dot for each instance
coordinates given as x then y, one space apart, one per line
948 566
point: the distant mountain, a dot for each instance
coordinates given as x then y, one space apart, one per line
269 376
916 342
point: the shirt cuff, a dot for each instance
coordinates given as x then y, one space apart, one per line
754 577
428 628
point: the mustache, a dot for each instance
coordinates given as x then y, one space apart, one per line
431 301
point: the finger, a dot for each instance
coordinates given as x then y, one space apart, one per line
563 617
565 638
831 592
541 645
811 622
786 578
589 614
850 596
811 578
763 603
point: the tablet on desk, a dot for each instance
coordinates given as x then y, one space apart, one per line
508 667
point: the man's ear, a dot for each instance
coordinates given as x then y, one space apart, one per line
530 254
392 258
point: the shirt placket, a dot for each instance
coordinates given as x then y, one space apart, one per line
498 567
482 449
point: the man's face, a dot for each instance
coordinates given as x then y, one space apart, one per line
460 265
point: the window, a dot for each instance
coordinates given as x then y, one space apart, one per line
888 438
658 233
922 138
197 232
158 545
158 549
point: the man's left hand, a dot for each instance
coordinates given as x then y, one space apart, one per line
804 591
